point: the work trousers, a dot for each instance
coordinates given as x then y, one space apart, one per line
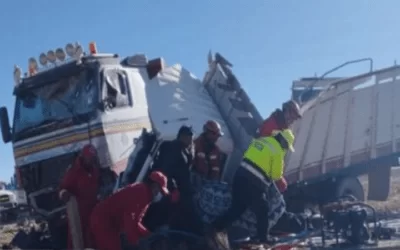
179 216
185 217
158 214
105 235
246 194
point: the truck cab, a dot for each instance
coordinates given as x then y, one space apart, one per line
72 99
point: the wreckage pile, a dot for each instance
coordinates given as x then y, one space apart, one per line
24 234
37 233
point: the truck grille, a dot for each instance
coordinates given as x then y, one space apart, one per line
43 174
41 179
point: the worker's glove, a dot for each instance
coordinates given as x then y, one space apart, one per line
64 195
281 185
174 196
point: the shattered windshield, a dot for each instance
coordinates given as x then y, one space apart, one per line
57 101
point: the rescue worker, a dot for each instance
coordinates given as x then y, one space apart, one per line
262 163
122 212
207 161
279 120
175 160
82 181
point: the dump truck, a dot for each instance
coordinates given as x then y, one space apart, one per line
350 128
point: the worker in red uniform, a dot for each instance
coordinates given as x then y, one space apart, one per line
279 120
82 181
122 212
207 161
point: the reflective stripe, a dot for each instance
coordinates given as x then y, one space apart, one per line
265 153
251 169
268 144
215 168
201 154
213 157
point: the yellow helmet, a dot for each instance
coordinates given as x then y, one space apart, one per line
288 135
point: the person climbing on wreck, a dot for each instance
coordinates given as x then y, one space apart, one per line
279 120
122 212
82 181
208 156
262 163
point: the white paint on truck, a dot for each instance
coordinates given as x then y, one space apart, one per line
354 120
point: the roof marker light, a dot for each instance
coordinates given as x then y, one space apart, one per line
78 51
70 49
60 54
43 59
33 66
51 56
17 75
92 48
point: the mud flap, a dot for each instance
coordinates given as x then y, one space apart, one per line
74 223
379 183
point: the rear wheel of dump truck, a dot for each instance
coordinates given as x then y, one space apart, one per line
349 186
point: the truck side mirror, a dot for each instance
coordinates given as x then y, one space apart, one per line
5 125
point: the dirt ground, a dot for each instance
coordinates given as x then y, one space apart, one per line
7 233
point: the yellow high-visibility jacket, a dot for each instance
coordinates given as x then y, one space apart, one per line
266 154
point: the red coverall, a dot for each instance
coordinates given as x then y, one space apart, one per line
121 212
84 186
207 161
274 122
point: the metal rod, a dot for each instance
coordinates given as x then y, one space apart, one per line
371 66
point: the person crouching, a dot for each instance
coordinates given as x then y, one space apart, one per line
122 212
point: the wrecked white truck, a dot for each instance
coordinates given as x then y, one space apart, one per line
75 98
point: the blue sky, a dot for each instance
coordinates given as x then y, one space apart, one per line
270 42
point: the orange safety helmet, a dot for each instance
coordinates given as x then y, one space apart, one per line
214 127
293 107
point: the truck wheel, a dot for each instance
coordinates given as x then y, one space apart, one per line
350 186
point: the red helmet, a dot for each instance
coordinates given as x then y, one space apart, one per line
292 107
161 180
214 127
89 151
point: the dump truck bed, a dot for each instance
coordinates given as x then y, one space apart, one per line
350 124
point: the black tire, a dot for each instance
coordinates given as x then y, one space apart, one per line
350 186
